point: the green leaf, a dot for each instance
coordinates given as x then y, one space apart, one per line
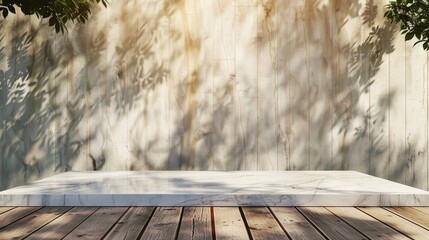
52 21
409 36
5 13
11 9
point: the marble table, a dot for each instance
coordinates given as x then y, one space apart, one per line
214 188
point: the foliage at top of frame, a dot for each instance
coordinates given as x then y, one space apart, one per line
412 17
59 12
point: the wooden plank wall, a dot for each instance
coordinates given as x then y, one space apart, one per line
214 85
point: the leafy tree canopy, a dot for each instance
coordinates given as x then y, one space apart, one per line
413 18
59 12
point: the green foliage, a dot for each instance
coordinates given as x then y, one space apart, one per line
59 12
413 17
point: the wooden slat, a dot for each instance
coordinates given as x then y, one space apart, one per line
416 116
246 107
408 228
332 226
379 154
31 223
15 214
422 209
295 224
397 117
412 214
98 224
299 88
5 209
262 224
267 87
283 76
229 224
225 99
164 223
369 226
196 223
131 224
64 224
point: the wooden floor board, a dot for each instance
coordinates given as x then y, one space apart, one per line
63 225
424 210
229 223
29 224
295 224
406 227
5 209
366 224
131 224
98 224
196 223
412 214
332 226
164 223
15 214
48 223
262 224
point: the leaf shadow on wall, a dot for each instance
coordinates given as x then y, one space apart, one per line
135 93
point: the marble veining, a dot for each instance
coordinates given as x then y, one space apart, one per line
214 188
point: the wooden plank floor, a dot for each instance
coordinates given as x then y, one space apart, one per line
214 223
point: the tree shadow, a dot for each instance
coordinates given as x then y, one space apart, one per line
280 85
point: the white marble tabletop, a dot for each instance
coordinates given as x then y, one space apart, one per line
214 188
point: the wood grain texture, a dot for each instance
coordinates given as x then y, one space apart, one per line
412 214
416 128
15 214
229 224
379 151
61 226
163 224
196 223
365 224
131 224
247 87
100 222
224 86
5 209
27 225
262 224
296 226
331 226
397 140
402 225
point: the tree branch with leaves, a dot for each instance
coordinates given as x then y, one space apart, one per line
413 18
59 12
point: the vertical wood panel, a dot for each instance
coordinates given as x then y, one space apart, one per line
382 37
319 109
284 51
416 111
397 111
299 89
247 87
96 44
224 79
267 66
203 134
13 116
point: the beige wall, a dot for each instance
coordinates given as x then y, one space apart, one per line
214 85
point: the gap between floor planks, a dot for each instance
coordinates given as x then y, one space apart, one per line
214 222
